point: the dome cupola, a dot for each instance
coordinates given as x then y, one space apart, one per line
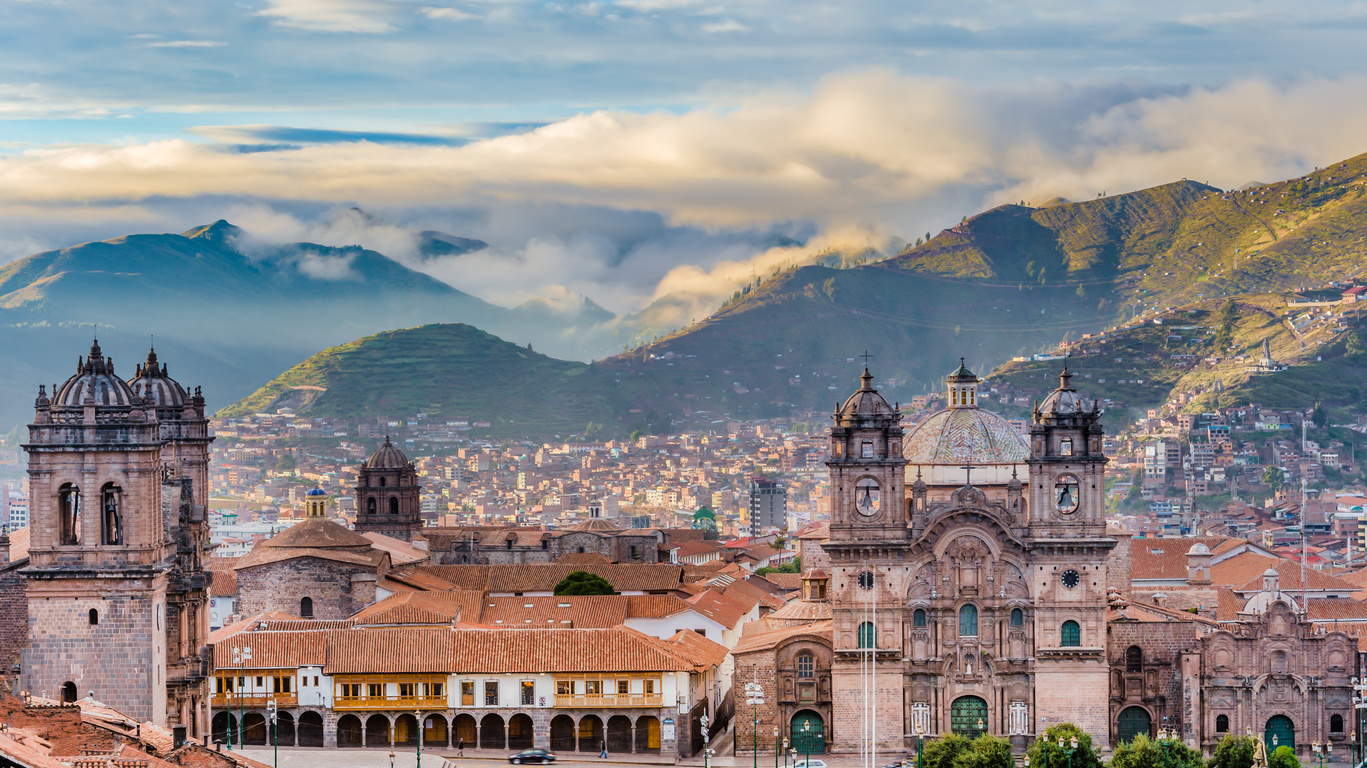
94 382
155 387
388 456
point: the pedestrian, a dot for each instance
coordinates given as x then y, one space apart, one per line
603 753
460 747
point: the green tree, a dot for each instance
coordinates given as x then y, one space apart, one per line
986 751
1283 757
1274 478
1318 418
942 752
1229 315
1142 752
1234 752
1046 752
584 583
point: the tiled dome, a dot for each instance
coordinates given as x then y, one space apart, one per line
960 435
1064 400
866 402
387 457
95 380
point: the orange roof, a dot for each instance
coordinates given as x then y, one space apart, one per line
542 577
720 608
1244 573
1165 558
705 653
766 639
422 608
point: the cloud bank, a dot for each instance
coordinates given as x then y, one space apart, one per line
629 207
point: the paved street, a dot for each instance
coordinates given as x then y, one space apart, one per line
292 757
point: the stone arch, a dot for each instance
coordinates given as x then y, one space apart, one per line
405 730
562 733
648 734
254 729
311 729
377 731
619 734
521 732
466 732
434 730
69 510
393 505
491 735
69 692
111 514
223 724
349 731
305 607
1131 722
284 730
589 734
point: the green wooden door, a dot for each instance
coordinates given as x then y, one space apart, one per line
1280 728
1132 722
968 716
807 734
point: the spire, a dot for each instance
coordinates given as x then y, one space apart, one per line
1065 378
866 381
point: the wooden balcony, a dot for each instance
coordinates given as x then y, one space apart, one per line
610 700
389 702
254 701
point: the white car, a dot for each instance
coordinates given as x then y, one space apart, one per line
810 764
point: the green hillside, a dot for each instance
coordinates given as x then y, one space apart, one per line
450 371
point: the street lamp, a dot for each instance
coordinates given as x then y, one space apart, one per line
754 696
807 743
271 712
391 758
706 751
1072 747
1321 755
241 656
920 739
418 717
785 752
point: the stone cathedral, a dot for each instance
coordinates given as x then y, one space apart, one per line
969 569
116 586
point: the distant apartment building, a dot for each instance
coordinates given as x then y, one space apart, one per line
768 504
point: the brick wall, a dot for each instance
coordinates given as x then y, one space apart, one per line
1118 564
281 586
13 615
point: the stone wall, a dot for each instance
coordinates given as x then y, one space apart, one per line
13 615
282 585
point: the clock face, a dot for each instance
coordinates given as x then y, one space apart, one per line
1071 578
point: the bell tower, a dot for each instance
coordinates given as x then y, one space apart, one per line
867 497
1067 536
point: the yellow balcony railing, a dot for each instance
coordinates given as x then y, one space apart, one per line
609 700
252 701
389 702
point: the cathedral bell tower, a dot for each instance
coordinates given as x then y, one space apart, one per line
868 501
1067 536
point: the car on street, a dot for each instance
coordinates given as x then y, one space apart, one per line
810 764
539 756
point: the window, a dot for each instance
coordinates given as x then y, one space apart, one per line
375 691
866 449
1070 635
650 688
306 608
315 681
94 617
467 693
593 687
528 693
968 621
1222 723
623 687
436 690
1017 617
370 505
918 617
68 692
351 690
1336 723
69 505
1134 659
225 685
866 638
382 482
393 505
407 690
564 687
260 682
806 665
111 520
281 684
491 693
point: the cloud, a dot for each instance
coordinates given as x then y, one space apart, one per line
358 16
186 44
282 134
450 14
729 25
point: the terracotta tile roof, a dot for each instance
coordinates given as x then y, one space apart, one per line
1244 573
416 578
18 544
787 581
803 610
618 649
286 649
245 624
224 584
691 548
815 531
400 552
316 534
1357 578
24 748
716 606
654 606
521 537
388 650
627 577
765 639
583 558
261 555
1121 610
587 611
1329 610
1229 605
750 595
422 608
1165 558
703 652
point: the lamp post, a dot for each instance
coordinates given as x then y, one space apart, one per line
706 751
418 716
391 757
754 696
272 714
785 752
807 742
776 746
241 656
1165 738
920 740
1072 747
1360 704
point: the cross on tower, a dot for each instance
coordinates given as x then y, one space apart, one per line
867 357
968 474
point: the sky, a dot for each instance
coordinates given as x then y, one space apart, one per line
628 150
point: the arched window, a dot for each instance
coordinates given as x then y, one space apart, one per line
1017 617
1134 659
866 639
1222 723
68 692
918 617
306 608
393 505
111 519
94 617
968 621
370 505
1070 635
69 506
806 666
1336 723
382 482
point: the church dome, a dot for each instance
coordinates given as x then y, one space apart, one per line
963 432
154 386
865 403
387 457
1063 401
316 492
94 380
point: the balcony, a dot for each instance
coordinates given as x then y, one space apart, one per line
232 701
389 702
610 700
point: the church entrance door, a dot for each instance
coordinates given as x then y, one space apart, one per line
968 716
1132 722
807 734
1281 728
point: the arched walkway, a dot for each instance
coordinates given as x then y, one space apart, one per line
465 731
349 732
1132 722
968 716
520 732
311 729
222 725
590 733
377 731
284 729
434 730
491 734
1280 732
562 733
406 730
806 733
619 734
254 728
648 734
